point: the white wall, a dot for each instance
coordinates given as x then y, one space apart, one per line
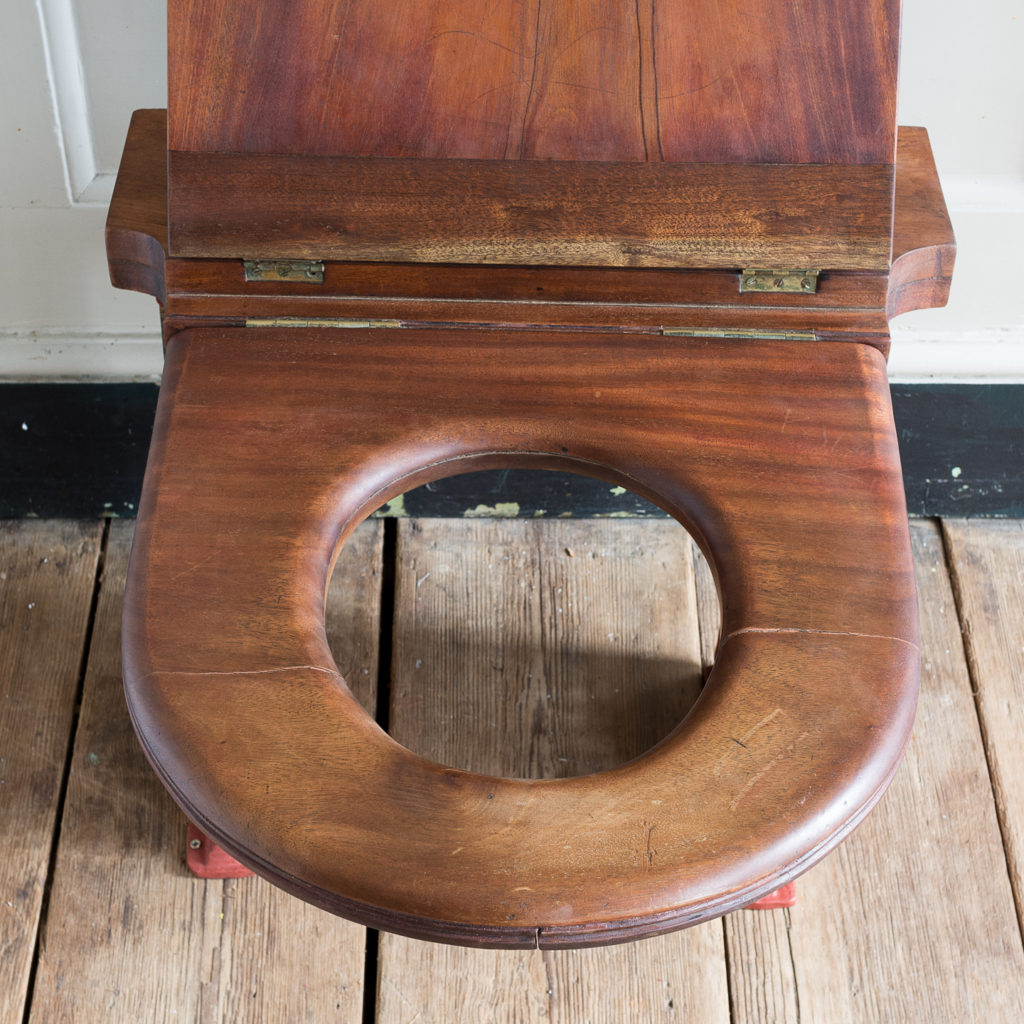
963 78
71 72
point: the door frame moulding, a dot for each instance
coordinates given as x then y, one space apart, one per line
86 183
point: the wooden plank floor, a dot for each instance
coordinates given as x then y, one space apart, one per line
529 647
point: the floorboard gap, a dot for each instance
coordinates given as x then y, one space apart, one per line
956 585
792 959
389 554
370 976
389 568
728 973
51 864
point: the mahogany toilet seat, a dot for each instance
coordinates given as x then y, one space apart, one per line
242 711
659 244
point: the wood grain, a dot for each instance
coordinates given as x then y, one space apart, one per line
662 979
523 294
161 944
709 137
923 251
257 516
762 982
537 649
782 81
915 909
987 563
136 229
230 205
541 649
856 326
763 977
923 245
966 982
47 572
709 618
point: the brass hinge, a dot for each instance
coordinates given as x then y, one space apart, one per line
302 271
725 332
319 321
789 281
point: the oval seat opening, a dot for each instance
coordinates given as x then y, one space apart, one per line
522 643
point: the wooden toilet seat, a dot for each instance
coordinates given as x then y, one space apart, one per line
396 242
791 484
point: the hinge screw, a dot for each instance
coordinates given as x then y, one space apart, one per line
195 843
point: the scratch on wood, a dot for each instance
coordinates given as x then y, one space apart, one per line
817 632
756 778
760 725
248 672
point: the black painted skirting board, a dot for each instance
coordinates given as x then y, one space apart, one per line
79 451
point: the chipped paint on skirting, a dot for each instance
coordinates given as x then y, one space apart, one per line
502 510
395 509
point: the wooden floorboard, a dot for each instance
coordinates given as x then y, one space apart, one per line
539 648
47 574
911 918
130 935
987 563
545 649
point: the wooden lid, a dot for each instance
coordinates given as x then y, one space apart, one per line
705 81
600 133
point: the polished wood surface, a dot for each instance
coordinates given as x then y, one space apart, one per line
730 81
923 244
646 300
198 289
717 133
860 945
819 679
550 206
136 228
531 212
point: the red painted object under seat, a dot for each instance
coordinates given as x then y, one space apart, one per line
205 859
784 896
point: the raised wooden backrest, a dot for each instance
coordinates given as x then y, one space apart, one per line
592 82
746 81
